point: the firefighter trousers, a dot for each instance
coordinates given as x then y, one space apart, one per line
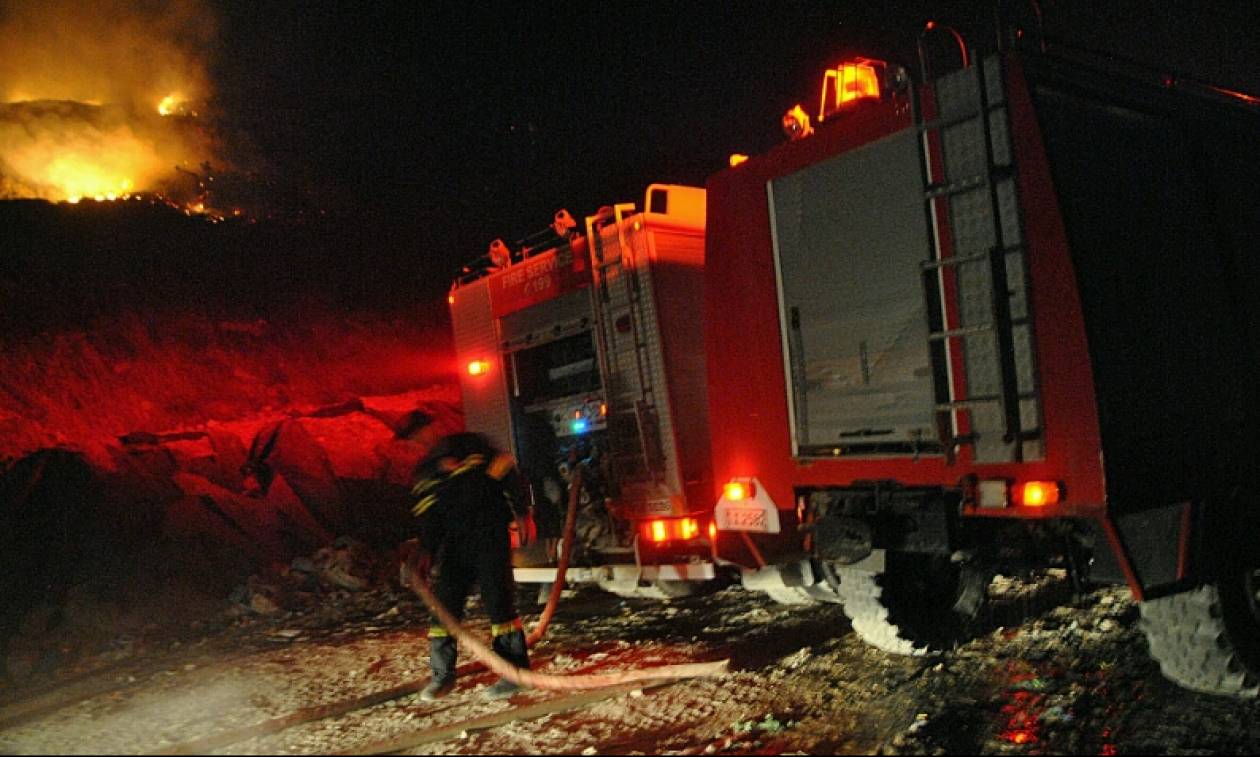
488 564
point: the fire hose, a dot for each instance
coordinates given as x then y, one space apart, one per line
566 549
529 678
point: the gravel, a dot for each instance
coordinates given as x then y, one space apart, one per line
1048 673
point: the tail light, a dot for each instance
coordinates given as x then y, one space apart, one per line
671 529
478 367
658 531
739 488
1000 493
1039 493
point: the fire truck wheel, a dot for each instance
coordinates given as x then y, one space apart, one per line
789 595
660 589
1208 639
918 606
802 595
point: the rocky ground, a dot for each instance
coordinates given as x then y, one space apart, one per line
1049 674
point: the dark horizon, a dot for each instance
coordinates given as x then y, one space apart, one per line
425 132
455 126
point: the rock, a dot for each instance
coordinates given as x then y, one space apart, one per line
263 605
347 564
285 448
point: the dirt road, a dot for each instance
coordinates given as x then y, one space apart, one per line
1049 673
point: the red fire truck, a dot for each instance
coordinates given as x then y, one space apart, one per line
587 346
998 318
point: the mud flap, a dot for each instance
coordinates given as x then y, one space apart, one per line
1148 550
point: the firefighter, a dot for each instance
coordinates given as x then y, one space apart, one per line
467 493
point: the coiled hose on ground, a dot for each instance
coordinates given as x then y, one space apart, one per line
532 679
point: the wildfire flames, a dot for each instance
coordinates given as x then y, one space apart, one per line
102 103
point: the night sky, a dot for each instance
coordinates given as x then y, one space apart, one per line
442 126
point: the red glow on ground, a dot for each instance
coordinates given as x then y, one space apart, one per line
1022 713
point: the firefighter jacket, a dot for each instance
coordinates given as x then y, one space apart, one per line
466 492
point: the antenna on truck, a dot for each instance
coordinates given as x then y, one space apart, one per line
925 69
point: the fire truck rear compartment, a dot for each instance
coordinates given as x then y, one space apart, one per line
607 365
1158 193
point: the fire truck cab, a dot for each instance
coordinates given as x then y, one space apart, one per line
582 347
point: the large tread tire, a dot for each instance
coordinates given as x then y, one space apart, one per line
660 589
822 591
1205 639
790 595
862 596
898 613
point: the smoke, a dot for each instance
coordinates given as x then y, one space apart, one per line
101 98
127 52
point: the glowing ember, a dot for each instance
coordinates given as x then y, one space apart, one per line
168 105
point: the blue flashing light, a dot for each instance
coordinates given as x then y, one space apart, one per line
579 426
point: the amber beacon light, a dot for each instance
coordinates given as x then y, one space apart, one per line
858 79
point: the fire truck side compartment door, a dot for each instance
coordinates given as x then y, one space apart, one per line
849 234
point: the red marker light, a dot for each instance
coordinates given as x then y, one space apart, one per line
478 367
1039 493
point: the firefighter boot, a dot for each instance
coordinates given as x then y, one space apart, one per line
442 654
511 647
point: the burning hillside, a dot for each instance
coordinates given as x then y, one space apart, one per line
104 104
63 150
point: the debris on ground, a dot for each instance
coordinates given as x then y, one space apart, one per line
1051 682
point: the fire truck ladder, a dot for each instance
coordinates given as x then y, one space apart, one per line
997 332
634 438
